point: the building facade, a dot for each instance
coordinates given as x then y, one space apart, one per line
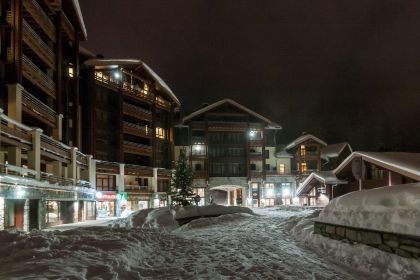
233 153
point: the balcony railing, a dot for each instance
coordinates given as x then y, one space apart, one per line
40 17
52 179
200 174
138 170
255 173
137 112
137 130
82 159
15 132
36 107
34 41
140 189
107 167
55 147
136 148
137 92
37 77
160 102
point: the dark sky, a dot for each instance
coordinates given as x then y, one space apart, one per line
344 70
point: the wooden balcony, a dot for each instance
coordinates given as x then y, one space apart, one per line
68 28
138 149
38 109
162 103
54 149
15 134
40 17
137 130
227 126
138 170
37 77
255 173
137 112
164 173
202 174
138 189
255 143
32 39
82 160
138 93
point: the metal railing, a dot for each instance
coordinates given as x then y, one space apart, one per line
43 47
41 17
53 146
38 107
136 108
138 188
143 129
137 145
9 169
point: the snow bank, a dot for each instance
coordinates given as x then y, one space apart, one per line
372 262
149 218
228 219
209 211
393 209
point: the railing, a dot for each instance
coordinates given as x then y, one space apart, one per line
137 188
136 129
15 130
81 159
8 169
52 179
138 92
137 110
41 17
163 103
36 76
34 40
107 167
38 107
138 147
255 173
164 173
55 147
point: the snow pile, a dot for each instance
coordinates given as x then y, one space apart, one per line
149 218
225 220
372 262
209 211
391 209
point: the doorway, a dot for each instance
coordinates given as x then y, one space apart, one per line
19 209
33 214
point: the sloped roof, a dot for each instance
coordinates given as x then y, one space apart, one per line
114 63
325 177
230 101
76 6
334 150
302 139
407 164
283 154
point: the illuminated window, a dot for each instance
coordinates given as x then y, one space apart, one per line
303 167
160 133
282 168
146 87
71 72
302 150
199 149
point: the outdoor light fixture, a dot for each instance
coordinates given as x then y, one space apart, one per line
252 133
117 75
286 192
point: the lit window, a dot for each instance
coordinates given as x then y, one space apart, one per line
302 150
160 133
282 168
71 72
303 167
199 149
146 87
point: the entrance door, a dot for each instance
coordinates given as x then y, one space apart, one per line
80 211
19 210
232 197
33 214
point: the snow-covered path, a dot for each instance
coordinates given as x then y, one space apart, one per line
235 246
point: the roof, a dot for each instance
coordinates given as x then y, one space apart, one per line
78 12
407 164
234 103
334 150
283 154
325 177
114 63
304 138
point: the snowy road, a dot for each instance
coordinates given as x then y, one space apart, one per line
236 246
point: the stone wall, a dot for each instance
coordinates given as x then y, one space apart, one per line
402 245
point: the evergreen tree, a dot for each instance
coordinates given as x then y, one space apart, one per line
182 180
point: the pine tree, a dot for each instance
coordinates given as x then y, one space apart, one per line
182 180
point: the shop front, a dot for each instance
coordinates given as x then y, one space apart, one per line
136 201
106 204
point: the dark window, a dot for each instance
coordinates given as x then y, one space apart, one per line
198 167
267 153
252 166
105 182
267 167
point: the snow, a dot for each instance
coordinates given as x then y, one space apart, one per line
391 209
144 245
372 262
209 210
326 177
333 150
304 138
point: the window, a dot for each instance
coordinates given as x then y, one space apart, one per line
198 167
105 182
199 149
71 72
253 166
146 87
160 133
267 167
303 150
282 168
162 185
267 153
303 167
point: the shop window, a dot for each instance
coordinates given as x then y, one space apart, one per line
53 212
105 182
253 166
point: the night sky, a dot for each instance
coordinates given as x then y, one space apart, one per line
342 70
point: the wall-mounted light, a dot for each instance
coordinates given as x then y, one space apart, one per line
117 75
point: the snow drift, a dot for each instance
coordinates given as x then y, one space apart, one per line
393 209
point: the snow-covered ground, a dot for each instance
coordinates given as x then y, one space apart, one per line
148 245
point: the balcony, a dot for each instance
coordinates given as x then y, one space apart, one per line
138 170
15 134
139 189
137 112
82 160
255 155
41 18
201 174
164 173
107 167
137 92
255 173
137 130
138 149
163 104
38 109
32 39
37 77
255 142
54 149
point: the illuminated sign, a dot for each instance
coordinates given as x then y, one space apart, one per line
105 195
122 196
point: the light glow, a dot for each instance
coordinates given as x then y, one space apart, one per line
286 192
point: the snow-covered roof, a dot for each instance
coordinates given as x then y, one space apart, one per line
76 7
283 154
304 138
230 101
113 63
325 177
334 150
407 164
